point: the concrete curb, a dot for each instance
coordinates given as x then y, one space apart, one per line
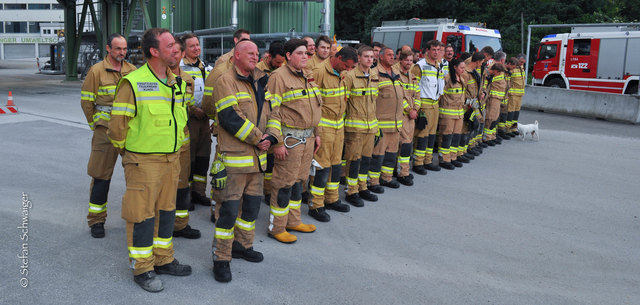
608 106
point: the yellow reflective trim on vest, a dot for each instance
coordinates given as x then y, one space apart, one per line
516 90
428 101
497 78
243 95
182 213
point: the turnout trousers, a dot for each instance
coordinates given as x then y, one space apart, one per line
101 163
236 214
286 186
358 148
148 207
325 184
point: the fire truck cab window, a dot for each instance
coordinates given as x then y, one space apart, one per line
582 47
548 51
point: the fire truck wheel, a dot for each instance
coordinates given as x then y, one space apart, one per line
556 83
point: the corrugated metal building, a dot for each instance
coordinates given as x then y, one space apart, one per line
257 17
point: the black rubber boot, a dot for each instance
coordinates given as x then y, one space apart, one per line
420 170
173 268
188 232
378 189
222 272
355 200
366 195
337 206
319 214
447 165
406 180
248 254
97 230
148 281
390 184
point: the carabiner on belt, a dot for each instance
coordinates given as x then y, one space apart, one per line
300 141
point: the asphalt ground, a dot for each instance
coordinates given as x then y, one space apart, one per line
553 221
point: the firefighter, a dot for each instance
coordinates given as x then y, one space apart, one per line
181 227
451 114
496 88
448 53
148 118
311 46
199 130
500 57
324 189
412 93
242 110
296 111
323 48
483 70
390 105
226 59
223 64
431 84
361 126
516 92
377 46
473 95
274 61
96 100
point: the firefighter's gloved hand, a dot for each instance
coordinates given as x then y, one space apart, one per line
421 122
219 175
377 137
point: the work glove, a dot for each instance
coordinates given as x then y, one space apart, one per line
421 122
377 137
218 175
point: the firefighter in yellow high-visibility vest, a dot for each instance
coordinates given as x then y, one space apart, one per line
147 122
516 92
97 94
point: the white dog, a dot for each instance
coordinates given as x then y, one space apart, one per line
531 129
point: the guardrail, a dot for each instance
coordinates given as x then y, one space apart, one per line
608 106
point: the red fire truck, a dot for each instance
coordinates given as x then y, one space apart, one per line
585 59
464 37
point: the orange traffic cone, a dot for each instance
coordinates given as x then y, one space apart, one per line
10 100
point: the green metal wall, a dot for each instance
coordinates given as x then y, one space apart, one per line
257 17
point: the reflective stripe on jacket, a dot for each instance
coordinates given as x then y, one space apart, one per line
362 91
99 88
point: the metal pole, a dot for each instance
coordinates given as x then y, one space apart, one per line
326 10
305 16
521 32
526 68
